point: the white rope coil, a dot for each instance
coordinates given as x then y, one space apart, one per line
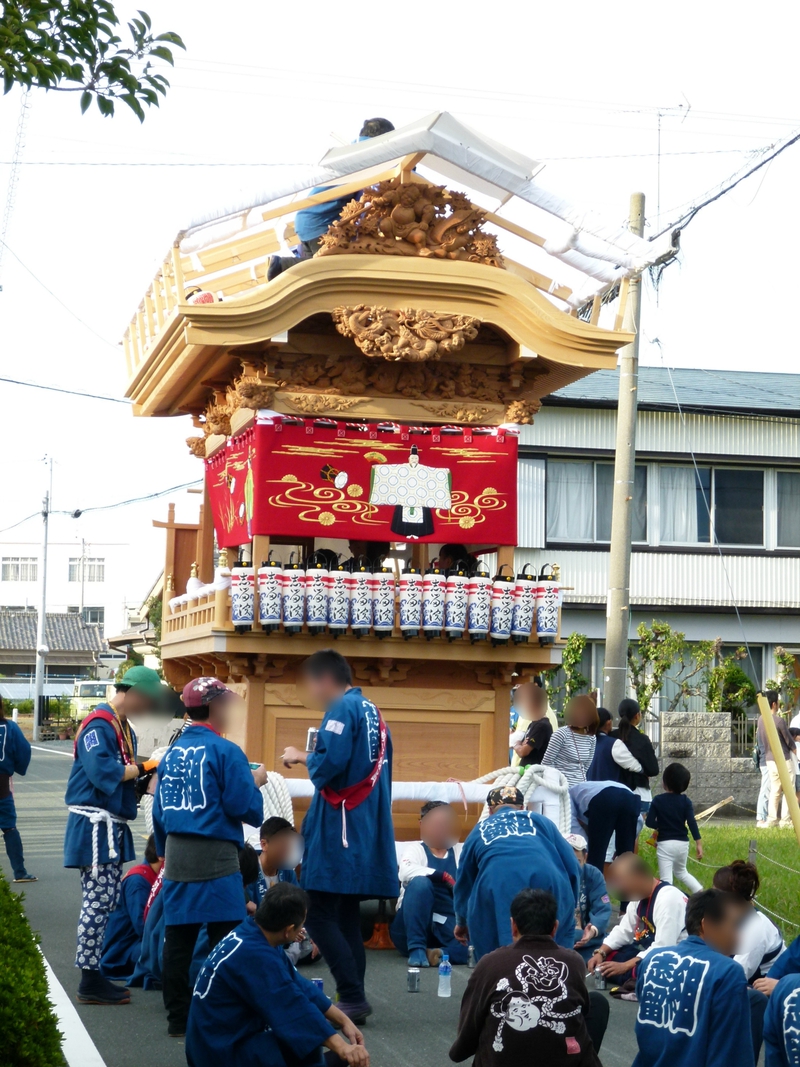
276 798
528 781
95 817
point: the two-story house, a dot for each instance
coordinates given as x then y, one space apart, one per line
716 528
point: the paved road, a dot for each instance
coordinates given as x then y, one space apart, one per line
406 1030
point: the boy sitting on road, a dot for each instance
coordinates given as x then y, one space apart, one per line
281 853
123 940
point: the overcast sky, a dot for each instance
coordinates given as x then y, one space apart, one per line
265 84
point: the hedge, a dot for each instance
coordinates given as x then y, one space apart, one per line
29 1035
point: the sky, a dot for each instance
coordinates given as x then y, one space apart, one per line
99 201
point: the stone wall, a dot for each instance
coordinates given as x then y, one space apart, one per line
702 742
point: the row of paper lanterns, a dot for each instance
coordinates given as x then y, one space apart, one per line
361 601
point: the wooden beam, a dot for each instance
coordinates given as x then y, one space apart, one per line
177 269
334 193
541 281
597 303
512 227
623 302
406 166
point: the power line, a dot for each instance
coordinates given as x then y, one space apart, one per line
8 248
71 392
13 176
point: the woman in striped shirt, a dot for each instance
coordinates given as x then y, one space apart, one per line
571 747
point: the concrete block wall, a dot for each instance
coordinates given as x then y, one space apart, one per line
702 742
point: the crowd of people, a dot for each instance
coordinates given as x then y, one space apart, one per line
221 928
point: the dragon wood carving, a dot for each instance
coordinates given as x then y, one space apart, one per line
412 219
404 335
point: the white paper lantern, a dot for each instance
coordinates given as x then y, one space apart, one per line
455 604
360 602
503 588
479 604
293 598
383 591
243 586
338 595
316 596
548 601
524 612
269 595
433 602
410 596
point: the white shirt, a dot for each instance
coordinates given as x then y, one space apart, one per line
758 937
668 917
413 863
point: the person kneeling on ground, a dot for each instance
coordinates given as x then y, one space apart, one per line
594 903
510 850
123 940
693 1007
425 921
528 1002
654 917
281 852
250 1004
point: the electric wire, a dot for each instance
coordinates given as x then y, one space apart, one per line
70 392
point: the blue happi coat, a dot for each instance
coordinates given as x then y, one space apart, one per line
250 1006
205 789
258 890
788 962
15 756
782 1024
123 941
148 969
693 1009
95 781
347 748
506 852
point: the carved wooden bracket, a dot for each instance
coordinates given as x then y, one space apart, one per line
407 335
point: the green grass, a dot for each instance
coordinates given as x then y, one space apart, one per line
779 887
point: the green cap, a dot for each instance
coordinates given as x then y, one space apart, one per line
143 678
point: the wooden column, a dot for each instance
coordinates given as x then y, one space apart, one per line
205 540
260 554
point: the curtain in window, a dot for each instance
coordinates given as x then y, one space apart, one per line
605 500
570 501
788 509
678 501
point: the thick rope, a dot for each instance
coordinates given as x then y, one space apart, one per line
527 780
95 817
276 798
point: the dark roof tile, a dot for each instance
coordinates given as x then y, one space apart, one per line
63 632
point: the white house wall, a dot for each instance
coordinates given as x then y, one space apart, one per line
575 429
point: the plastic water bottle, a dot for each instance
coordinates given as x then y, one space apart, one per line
445 970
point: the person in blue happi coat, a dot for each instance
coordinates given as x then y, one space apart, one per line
782 1023
693 1002
349 836
787 963
510 850
281 852
593 913
251 1006
206 790
15 756
123 941
425 922
101 798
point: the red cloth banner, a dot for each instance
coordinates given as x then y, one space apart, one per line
374 482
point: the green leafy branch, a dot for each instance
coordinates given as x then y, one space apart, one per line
74 46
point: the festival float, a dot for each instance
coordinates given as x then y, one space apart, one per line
372 395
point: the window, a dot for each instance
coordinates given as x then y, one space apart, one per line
580 497
689 496
94 615
788 509
94 569
20 569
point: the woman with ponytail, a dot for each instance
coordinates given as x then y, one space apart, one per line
640 747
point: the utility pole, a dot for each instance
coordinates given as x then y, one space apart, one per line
41 647
618 610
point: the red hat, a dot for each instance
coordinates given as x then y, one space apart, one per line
201 691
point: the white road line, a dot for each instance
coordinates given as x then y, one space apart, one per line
52 751
78 1047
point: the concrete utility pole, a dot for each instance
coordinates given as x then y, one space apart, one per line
41 647
615 674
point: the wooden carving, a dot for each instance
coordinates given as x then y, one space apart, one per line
522 411
197 446
456 412
404 335
320 403
412 219
254 393
218 420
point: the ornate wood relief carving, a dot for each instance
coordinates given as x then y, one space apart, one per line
415 219
320 403
404 335
455 412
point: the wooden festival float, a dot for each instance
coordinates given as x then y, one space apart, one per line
374 393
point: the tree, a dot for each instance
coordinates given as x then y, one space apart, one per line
787 683
72 46
652 656
567 678
728 687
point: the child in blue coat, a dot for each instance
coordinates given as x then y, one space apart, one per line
693 1001
593 913
251 1006
512 849
123 941
206 790
15 756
